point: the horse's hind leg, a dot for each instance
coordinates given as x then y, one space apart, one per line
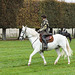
59 54
65 49
43 58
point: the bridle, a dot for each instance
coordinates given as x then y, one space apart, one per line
23 33
28 37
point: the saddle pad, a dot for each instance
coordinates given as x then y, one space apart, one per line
48 39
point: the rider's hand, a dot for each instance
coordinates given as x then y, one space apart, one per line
38 31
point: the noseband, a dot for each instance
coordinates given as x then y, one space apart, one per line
23 32
28 37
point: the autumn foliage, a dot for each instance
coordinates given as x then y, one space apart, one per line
15 13
28 14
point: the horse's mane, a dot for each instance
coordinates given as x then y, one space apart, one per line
32 32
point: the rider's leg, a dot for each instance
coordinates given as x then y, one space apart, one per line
44 40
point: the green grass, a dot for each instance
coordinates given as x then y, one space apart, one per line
14 56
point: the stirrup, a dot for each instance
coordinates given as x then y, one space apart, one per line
45 48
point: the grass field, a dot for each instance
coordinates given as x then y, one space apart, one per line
14 56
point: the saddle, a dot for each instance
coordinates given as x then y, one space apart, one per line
49 38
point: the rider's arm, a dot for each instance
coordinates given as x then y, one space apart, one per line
44 28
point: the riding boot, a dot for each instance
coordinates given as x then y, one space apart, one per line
45 44
44 41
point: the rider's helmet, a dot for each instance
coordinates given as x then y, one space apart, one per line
43 16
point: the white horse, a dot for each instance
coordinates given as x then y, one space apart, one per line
59 40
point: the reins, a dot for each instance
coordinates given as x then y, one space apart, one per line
31 37
34 41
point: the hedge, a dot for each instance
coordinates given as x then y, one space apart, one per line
15 13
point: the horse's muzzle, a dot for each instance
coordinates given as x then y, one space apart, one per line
20 38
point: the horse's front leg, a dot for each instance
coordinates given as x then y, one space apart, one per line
43 58
33 53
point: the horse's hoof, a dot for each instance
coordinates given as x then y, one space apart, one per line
68 62
55 63
45 64
28 64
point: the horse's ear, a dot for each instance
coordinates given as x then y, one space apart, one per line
22 26
26 26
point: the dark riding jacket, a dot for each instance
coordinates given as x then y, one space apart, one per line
44 27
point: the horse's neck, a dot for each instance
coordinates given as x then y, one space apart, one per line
32 35
32 39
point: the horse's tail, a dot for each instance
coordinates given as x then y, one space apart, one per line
70 52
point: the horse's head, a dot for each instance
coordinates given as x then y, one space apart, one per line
23 35
29 32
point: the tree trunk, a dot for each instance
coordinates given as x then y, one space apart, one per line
19 32
74 32
61 29
4 34
51 30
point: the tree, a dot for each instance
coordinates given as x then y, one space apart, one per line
15 13
28 14
8 12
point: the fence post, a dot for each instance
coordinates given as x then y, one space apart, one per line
3 33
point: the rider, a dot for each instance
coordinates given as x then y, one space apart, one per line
44 29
